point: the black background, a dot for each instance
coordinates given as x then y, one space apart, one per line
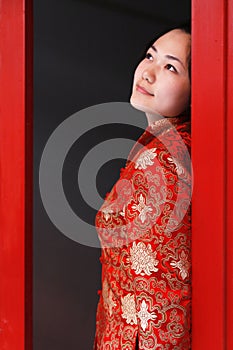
85 53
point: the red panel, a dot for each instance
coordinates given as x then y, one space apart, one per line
208 155
28 173
229 157
13 218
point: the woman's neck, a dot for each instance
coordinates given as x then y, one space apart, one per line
152 118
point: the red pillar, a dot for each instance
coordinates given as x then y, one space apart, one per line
15 174
212 154
229 182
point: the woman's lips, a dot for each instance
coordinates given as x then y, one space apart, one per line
143 91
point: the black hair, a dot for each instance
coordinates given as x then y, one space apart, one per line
184 27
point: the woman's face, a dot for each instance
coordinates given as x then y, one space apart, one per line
161 83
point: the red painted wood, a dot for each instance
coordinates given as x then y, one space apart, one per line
208 156
14 223
28 173
229 156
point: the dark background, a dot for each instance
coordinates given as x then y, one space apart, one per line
85 53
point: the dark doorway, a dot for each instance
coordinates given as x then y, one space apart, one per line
85 53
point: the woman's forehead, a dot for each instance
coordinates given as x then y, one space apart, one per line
175 35
176 42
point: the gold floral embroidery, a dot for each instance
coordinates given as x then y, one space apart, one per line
122 212
143 264
108 297
145 159
144 315
142 208
179 169
129 309
183 265
107 213
143 259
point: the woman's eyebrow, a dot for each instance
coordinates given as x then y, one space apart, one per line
174 58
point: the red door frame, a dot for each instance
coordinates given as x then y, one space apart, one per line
16 174
212 155
229 181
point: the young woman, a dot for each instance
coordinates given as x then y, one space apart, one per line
144 224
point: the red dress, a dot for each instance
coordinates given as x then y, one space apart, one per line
144 230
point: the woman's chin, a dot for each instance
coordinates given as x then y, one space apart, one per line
141 107
138 105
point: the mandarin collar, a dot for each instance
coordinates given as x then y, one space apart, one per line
165 124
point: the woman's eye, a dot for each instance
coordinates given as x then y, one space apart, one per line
149 56
171 68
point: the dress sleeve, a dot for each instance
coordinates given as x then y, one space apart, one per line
159 255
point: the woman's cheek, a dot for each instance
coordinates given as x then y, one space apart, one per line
170 101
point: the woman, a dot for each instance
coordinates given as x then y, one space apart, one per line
144 224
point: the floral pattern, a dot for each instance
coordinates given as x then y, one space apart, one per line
108 298
129 309
142 259
183 265
146 255
142 208
179 169
107 212
144 315
145 159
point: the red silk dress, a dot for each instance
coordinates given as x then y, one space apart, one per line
144 229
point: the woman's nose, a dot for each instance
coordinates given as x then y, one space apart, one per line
149 75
